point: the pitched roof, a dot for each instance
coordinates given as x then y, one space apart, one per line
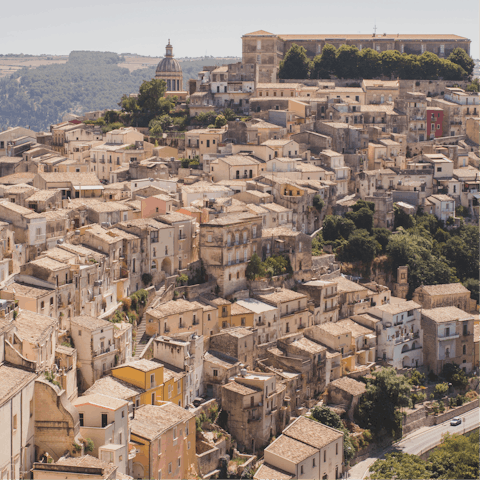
13 379
173 307
143 365
268 472
100 400
152 420
114 387
291 449
282 295
444 289
446 314
91 323
32 326
312 433
349 385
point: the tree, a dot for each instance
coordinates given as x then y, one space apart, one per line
155 129
205 118
318 203
220 121
165 105
390 63
451 71
335 227
409 68
456 457
295 64
129 104
347 62
474 86
329 418
277 265
472 284
361 247
255 268
229 114
369 63
440 389
324 65
382 236
399 465
455 375
461 57
150 93
378 408
430 65
362 218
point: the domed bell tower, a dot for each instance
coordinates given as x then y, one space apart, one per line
169 70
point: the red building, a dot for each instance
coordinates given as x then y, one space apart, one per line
434 122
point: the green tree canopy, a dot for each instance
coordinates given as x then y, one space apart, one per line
461 57
150 93
220 121
295 64
398 466
329 418
346 65
324 65
255 268
369 63
378 408
391 62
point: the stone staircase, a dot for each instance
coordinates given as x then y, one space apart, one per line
142 338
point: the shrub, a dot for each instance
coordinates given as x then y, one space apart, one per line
89 445
182 279
126 304
441 389
147 279
76 447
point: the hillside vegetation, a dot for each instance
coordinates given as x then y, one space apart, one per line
87 81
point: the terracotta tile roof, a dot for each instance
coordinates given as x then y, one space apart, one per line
13 379
290 449
100 400
32 291
220 359
33 327
283 295
232 219
114 387
345 286
446 314
349 385
143 365
279 232
151 420
308 346
91 323
391 36
173 307
268 472
356 329
240 389
237 309
396 308
444 289
312 433
49 264
332 328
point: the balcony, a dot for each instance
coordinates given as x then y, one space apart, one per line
182 236
330 309
450 336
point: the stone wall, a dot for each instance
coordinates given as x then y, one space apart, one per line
208 461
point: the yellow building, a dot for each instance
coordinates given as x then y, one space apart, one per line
241 316
157 382
164 437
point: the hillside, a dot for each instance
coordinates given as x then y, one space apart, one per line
38 97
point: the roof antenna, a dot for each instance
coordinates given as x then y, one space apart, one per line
375 29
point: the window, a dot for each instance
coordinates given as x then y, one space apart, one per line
31 408
301 469
254 232
336 449
104 420
209 238
313 463
81 419
170 468
464 350
188 446
324 455
159 476
215 373
153 398
175 436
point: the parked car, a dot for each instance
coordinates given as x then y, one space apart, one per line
455 421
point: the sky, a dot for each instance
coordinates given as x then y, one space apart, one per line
214 27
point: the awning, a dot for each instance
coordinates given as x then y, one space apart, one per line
476 195
88 187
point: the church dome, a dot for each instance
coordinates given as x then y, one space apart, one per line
169 64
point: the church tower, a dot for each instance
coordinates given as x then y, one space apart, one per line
169 70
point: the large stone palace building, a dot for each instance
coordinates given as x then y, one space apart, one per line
266 50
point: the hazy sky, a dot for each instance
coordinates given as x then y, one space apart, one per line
199 27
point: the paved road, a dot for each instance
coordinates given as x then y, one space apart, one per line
420 441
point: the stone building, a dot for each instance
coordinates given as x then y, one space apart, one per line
324 296
95 343
263 51
236 342
448 338
218 368
306 449
226 246
254 404
444 295
170 71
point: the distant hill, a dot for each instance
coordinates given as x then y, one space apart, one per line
38 97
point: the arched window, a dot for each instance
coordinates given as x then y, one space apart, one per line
244 237
229 240
405 348
237 239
